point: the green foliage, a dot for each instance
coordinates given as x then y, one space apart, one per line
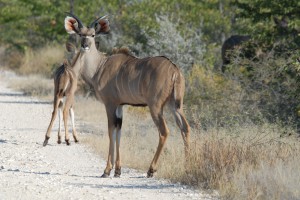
31 23
190 32
269 21
271 83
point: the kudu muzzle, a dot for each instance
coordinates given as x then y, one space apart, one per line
85 44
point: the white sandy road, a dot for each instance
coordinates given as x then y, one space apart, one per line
30 171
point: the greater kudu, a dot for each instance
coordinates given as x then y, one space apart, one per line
228 47
122 79
65 84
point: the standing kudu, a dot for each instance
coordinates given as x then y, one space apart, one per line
122 79
228 47
65 84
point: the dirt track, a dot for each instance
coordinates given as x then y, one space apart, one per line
30 171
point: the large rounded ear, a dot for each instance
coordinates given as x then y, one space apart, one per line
101 25
71 25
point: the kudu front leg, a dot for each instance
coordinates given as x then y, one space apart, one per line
65 118
118 125
118 157
111 152
59 124
114 131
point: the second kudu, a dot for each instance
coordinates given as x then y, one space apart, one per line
65 85
122 79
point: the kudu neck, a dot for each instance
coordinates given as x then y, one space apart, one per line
76 64
92 62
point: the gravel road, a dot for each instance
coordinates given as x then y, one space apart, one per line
30 171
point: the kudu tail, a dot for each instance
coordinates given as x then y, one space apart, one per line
177 103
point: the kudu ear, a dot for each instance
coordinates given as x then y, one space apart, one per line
101 25
71 25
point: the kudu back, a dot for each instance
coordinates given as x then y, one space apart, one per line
123 79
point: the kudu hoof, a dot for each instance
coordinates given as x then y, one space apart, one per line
68 142
76 141
105 175
46 141
117 173
150 173
58 141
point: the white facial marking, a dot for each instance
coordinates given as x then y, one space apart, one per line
86 49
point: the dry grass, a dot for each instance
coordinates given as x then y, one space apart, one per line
42 61
250 162
33 85
237 165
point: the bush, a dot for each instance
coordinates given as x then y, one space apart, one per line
184 50
271 82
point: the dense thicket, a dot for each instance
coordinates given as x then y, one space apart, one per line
190 32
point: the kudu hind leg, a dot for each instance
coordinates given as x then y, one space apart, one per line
54 113
157 116
59 122
66 110
72 116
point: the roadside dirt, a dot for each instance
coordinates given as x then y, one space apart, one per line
30 171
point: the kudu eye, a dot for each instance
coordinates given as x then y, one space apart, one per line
93 35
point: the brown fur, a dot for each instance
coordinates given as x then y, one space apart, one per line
122 50
122 79
65 85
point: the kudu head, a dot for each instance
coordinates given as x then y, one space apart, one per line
73 25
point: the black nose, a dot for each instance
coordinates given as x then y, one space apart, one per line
84 45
